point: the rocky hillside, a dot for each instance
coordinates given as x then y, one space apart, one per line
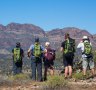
56 36
14 32
25 33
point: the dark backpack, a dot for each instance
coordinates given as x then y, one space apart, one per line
50 54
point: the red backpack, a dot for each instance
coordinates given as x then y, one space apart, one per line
50 54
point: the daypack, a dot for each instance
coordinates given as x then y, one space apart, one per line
16 53
69 46
37 50
87 48
50 54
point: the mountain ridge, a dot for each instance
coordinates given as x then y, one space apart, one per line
25 33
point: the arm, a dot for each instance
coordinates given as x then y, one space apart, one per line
62 47
74 46
22 53
80 45
29 51
12 53
42 49
80 48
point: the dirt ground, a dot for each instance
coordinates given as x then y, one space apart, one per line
89 84
77 85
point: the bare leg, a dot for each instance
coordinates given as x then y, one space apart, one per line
93 71
66 72
51 70
84 71
70 71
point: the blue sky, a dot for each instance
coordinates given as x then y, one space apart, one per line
50 14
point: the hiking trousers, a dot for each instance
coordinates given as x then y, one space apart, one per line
16 69
36 65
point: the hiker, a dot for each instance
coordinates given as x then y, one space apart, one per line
18 55
35 51
87 56
68 49
49 57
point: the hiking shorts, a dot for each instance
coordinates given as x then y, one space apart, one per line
87 62
68 60
48 64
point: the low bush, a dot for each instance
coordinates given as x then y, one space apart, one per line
19 77
55 81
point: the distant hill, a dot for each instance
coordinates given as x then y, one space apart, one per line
14 32
57 35
25 33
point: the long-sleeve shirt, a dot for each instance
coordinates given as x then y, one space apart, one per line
81 46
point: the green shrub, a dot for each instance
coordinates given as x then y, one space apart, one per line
19 77
79 76
55 82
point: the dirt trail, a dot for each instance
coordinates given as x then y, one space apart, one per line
89 84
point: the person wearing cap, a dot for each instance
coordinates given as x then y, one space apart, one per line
87 57
17 55
49 57
68 49
36 53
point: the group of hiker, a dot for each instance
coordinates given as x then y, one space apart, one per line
38 53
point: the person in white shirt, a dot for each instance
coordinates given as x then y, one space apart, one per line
87 56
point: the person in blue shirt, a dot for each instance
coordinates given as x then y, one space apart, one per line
36 52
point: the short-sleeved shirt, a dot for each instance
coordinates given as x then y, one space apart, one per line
63 44
21 52
67 58
32 49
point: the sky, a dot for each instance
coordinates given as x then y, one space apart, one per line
50 14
